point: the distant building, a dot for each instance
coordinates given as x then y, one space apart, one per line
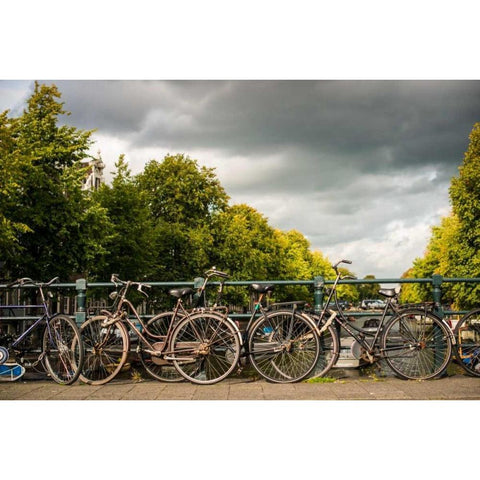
94 177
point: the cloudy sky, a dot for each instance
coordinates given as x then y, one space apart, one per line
361 168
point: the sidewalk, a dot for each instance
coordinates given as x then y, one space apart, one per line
455 387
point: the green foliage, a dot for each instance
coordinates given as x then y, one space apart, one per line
178 191
184 201
128 241
454 248
47 211
11 166
368 290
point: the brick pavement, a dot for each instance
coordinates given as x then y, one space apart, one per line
453 387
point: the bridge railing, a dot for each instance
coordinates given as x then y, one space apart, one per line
81 288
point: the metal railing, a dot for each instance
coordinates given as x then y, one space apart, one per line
81 288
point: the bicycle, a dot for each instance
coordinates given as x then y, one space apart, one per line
415 343
201 345
467 336
161 325
280 344
61 350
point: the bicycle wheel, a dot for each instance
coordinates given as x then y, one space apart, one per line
206 348
156 333
106 350
467 335
283 346
329 349
63 349
416 345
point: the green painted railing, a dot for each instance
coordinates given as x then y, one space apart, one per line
318 284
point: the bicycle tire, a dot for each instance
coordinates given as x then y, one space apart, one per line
329 348
156 332
106 350
416 345
283 346
63 350
206 348
467 349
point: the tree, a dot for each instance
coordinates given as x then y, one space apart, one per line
454 247
49 205
244 243
184 200
179 191
129 247
12 168
368 290
464 258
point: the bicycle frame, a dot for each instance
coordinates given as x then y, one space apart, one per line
45 317
122 315
359 334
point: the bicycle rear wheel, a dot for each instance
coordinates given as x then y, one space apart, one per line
156 332
63 349
467 335
329 349
206 348
106 350
283 346
416 345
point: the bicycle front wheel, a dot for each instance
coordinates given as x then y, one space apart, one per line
63 349
156 332
206 348
416 345
283 346
106 350
467 335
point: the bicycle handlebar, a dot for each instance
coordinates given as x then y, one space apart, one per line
28 281
335 266
114 279
213 272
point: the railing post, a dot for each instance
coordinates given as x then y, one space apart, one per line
81 312
437 281
197 283
318 284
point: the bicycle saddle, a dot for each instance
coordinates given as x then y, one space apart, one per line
262 288
181 292
387 292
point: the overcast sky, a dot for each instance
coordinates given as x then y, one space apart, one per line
361 168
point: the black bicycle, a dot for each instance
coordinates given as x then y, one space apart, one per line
415 343
61 349
467 336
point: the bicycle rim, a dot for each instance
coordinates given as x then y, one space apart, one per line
106 350
206 348
329 350
467 335
283 347
63 350
416 345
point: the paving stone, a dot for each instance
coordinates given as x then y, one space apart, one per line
455 387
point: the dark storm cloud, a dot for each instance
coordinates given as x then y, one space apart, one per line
416 122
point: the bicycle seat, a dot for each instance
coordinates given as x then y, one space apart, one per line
181 292
387 292
262 288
